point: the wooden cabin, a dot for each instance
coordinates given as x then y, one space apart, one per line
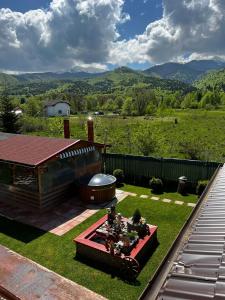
39 172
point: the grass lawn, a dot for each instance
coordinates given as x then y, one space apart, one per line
58 253
169 195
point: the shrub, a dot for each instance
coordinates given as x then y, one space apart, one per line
156 185
136 216
31 124
119 174
201 186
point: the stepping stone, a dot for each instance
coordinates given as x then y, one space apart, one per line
167 200
144 196
191 204
155 198
132 194
119 192
179 202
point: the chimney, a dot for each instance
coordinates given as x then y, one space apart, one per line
90 126
66 126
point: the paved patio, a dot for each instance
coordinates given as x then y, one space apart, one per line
28 280
58 220
66 216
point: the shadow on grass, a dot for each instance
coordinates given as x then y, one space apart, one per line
19 231
146 258
117 272
157 193
119 185
171 190
113 273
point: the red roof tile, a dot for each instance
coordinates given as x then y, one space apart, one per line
31 150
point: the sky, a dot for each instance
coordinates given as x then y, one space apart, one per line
96 35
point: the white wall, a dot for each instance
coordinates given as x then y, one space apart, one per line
60 109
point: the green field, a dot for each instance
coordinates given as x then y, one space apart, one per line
196 134
58 253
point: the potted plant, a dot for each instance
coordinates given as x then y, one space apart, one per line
156 185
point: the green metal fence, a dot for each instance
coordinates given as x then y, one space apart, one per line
138 167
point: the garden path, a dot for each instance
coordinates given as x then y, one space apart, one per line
22 278
165 200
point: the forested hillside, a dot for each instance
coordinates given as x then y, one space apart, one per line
185 72
212 80
123 90
118 80
7 79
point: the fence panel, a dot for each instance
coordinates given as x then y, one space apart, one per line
138 167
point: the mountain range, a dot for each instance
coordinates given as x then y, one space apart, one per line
187 72
169 76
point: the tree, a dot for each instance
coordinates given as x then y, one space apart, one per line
33 107
127 107
193 148
189 101
210 99
110 105
145 140
56 126
9 120
142 97
91 102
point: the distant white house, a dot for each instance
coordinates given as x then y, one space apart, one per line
56 108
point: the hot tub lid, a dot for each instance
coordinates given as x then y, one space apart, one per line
102 180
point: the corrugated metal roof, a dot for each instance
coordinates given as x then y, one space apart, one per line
199 270
54 102
31 150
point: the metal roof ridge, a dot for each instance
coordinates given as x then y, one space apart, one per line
57 152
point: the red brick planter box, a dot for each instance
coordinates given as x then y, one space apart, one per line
96 252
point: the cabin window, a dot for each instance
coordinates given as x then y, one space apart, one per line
58 173
66 170
6 173
25 178
59 111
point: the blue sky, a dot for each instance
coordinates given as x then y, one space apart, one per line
24 5
61 35
141 14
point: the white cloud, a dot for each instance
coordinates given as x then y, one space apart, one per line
82 34
196 27
69 33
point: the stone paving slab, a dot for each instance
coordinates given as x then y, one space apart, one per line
179 202
191 204
155 198
166 200
131 194
28 280
121 195
144 196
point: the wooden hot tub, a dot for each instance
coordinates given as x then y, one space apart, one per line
99 189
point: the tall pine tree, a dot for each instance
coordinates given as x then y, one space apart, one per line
9 120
